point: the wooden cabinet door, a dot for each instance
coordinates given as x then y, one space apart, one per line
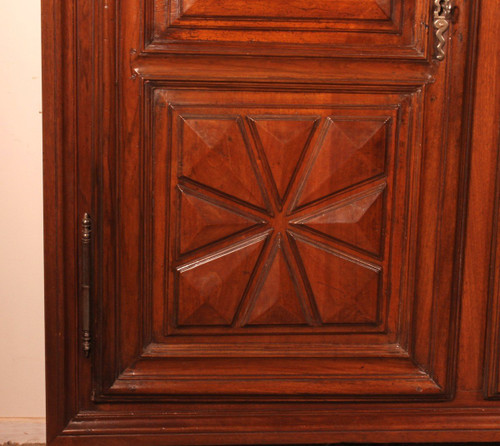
259 219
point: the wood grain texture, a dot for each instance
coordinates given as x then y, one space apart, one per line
486 132
244 296
286 28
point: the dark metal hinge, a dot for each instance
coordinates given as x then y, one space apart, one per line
85 282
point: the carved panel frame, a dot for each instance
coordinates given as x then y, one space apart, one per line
414 380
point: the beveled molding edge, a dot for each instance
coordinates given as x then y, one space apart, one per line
413 386
330 74
283 425
399 53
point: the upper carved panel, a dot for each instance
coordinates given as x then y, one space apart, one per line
254 9
357 27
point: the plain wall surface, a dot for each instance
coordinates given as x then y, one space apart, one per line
21 257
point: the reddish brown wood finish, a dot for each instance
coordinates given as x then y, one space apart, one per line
363 27
279 200
488 136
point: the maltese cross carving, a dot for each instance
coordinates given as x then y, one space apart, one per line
282 218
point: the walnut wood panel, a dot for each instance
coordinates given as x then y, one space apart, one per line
492 355
488 136
136 135
393 28
265 291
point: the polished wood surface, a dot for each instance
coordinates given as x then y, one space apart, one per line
368 27
294 217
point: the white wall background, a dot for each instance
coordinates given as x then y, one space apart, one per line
21 268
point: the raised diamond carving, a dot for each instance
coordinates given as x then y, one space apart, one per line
203 221
282 141
345 289
385 6
219 157
278 298
350 151
357 221
187 5
210 289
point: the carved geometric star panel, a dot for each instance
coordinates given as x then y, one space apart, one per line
313 297
311 188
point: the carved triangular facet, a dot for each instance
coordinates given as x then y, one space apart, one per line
357 221
210 290
283 142
385 6
346 290
206 315
186 6
215 153
203 221
278 300
350 152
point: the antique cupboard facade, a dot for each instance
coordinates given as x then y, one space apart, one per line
271 221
